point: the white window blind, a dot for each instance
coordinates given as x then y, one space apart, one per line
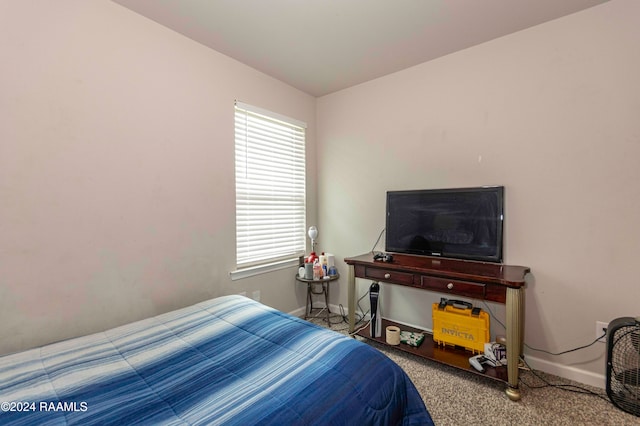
270 186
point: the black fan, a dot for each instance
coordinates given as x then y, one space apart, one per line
623 363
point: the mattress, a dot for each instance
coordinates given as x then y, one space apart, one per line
228 360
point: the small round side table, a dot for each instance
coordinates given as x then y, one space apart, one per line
310 291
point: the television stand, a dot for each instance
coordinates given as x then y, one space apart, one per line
478 280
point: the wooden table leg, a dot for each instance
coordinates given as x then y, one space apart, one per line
515 335
351 285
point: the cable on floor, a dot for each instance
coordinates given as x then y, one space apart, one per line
566 387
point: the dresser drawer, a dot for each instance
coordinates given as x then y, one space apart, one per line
389 276
460 288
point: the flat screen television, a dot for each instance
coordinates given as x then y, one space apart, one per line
463 223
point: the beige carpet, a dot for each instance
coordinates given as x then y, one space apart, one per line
455 397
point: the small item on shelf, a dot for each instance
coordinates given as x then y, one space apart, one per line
477 361
317 271
333 271
324 265
495 353
308 271
411 338
331 260
393 335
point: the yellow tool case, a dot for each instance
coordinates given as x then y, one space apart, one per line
458 323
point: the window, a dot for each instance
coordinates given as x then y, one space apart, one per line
270 187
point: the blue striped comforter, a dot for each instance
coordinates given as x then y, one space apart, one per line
228 360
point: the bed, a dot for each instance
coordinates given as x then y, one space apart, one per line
228 360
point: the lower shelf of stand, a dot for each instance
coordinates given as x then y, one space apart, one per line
448 355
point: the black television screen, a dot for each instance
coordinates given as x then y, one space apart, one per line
463 223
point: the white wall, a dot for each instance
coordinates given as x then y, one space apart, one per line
117 170
551 113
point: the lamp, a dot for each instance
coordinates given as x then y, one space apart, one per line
313 234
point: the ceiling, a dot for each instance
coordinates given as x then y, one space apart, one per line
321 46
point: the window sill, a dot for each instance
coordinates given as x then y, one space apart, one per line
239 274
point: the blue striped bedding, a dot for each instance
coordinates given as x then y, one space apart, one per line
228 360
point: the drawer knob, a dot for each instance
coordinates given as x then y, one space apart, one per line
387 276
450 286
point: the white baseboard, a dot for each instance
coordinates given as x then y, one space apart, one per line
298 312
335 309
567 372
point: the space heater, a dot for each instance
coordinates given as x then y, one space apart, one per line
623 364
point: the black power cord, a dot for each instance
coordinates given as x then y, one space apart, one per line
566 387
561 386
359 317
377 241
543 350
569 350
